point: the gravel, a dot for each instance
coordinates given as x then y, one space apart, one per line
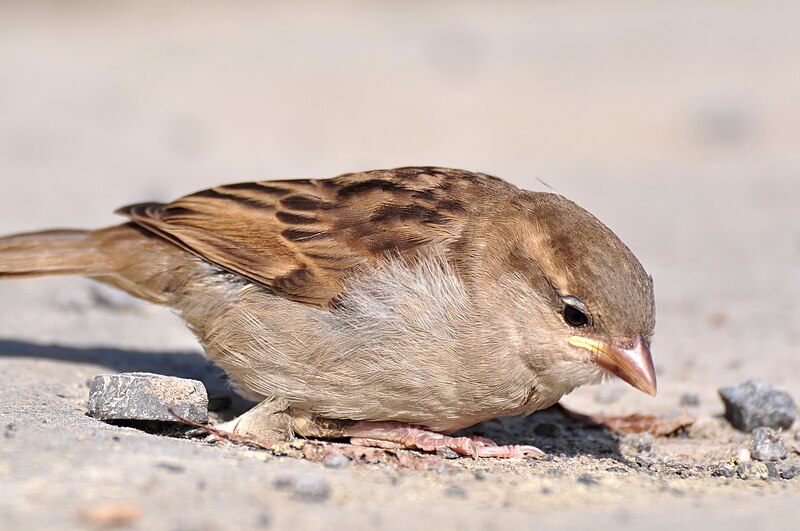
690 400
757 403
337 460
641 442
310 488
145 396
768 445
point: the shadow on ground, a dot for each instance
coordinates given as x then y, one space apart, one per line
553 430
180 364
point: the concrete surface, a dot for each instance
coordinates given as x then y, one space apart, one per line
676 123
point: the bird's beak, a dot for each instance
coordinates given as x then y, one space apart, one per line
633 364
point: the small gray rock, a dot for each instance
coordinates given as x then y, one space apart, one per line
723 472
311 489
455 491
446 453
768 445
757 403
690 399
790 471
641 442
336 460
145 396
752 470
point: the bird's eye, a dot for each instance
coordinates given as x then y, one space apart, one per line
575 313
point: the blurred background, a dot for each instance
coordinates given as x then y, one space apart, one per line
676 123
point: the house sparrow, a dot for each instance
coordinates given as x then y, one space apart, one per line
392 307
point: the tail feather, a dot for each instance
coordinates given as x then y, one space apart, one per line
51 252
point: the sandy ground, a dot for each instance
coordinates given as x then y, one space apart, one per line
676 123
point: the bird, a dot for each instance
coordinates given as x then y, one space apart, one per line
389 307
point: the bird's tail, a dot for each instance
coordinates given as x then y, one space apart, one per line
51 252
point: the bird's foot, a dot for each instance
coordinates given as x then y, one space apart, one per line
393 435
266 423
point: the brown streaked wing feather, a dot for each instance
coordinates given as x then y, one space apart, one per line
301 238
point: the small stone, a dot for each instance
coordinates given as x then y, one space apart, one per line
742 455
146 396
264 520
336 460
311 489
768 445
641 442
752 470
772 471
283 482
446 453
455 491
723 472
547 429
586 479
690 400
547 490
789 471
618 469
171 467
481 475
642 462
757 403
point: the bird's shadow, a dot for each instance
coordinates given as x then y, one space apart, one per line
554 430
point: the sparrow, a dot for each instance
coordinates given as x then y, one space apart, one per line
391 307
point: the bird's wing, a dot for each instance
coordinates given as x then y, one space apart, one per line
301 238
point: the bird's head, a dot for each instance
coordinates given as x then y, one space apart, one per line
596 305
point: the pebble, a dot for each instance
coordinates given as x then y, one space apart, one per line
307 488
742 455
641 442
690 400
446 453
723 472
336 460
455 491
642 462
752 470
757 403
312 489
146 396
586 479
481 475
768 445
790 471
264 520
